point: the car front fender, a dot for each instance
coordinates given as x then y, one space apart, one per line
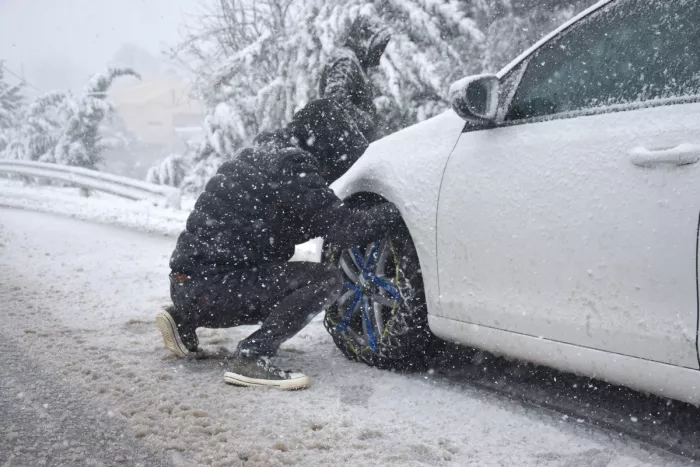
406 169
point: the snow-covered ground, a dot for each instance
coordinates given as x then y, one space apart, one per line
100 207
78 302
104 208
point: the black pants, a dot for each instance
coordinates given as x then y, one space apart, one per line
283 298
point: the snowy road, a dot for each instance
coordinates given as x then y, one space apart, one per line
85 381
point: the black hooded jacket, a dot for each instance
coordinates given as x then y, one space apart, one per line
345 77
275 195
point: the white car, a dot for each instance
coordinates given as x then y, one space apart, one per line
552 216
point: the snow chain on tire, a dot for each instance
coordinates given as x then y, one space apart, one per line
405 339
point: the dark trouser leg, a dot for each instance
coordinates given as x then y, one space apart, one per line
218 301
295 292
284 297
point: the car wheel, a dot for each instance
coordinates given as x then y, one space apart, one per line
381 316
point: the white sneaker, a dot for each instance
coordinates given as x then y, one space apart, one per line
172 337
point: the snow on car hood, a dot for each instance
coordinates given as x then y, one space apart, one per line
390 159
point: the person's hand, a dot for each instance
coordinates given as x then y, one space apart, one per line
391 218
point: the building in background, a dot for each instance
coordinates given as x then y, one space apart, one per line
161 115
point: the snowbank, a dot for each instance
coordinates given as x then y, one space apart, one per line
108 209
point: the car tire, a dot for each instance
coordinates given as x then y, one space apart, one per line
381 316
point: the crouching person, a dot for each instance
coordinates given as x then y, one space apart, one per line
230 266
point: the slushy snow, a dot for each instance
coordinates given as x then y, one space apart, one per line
79 299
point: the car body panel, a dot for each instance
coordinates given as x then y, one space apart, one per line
405 168
570 239
548 229
643 375
604 282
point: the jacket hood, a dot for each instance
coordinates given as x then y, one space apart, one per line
368 38
324 129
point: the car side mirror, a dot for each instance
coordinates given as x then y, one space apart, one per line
475 98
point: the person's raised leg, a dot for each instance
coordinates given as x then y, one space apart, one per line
294 293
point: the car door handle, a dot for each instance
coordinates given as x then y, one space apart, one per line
683 154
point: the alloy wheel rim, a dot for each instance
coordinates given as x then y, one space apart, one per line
368 292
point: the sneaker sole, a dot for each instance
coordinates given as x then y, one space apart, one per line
171 338
294 384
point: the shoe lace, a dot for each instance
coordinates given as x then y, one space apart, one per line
266 365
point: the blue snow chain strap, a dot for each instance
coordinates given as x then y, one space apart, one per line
358 296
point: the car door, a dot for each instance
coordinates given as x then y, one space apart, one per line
576 218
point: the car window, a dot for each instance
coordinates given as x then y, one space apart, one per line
633 51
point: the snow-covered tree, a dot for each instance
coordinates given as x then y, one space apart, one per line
171 171
261 60
203 162
258 62
80 142
63 128
39 130
11 107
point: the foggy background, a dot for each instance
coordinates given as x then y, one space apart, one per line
60 44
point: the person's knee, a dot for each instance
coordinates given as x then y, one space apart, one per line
326 276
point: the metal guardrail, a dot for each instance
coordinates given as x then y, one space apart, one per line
91 179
